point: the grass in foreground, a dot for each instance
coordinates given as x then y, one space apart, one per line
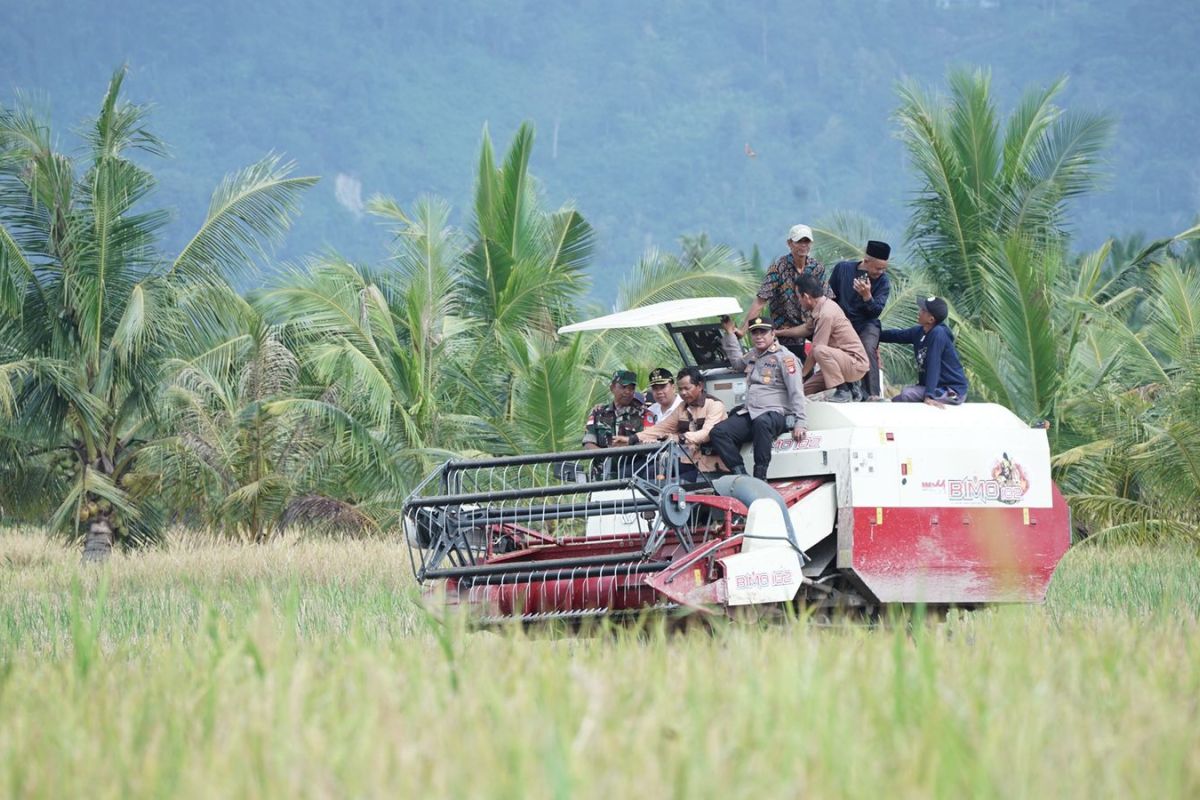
308 669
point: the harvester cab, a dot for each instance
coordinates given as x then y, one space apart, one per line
880 504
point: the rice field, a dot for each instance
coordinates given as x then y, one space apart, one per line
308 669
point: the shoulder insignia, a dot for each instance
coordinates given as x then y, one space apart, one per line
791 365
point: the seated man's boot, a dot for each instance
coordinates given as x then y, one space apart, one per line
842 395
760 472
857 393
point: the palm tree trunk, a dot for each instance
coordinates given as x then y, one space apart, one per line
98 545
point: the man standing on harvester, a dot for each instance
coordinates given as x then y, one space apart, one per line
774 398
861 289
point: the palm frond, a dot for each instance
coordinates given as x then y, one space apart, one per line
249 209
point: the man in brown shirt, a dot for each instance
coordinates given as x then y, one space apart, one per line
836 348
689 423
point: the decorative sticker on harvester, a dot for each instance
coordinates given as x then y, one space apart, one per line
1007 483
1012 479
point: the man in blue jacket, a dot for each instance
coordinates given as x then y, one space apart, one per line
939 370
862 289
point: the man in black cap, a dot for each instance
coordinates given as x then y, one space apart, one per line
666 399
861 289
940 374
774 392
626 414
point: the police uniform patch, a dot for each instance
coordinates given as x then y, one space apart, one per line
791 365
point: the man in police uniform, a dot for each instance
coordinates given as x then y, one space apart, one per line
774 393
625 415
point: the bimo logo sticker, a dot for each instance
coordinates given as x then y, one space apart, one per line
1007 483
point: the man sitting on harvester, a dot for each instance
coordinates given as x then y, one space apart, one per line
662 389
690 423
774 397
940 374
626 414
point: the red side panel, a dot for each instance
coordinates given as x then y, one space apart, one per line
958 555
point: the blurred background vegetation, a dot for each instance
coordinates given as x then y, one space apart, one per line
163 359
644 111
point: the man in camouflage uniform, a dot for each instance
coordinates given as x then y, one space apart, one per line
774 398
625 415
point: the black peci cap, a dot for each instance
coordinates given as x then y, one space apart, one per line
880 250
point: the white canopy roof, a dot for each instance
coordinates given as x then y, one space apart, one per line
659 314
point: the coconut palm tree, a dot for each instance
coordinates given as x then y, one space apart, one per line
1136 469
91 308
392 344
982 183
227 460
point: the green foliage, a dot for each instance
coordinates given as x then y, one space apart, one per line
981 187
91 308
1135 473
134 384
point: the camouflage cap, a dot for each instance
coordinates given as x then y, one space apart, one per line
661 376
624 376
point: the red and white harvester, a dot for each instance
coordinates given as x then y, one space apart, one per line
881 504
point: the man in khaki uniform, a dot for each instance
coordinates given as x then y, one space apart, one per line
774 393
690 423
836 347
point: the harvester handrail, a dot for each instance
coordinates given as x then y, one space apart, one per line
517 494
631 505
548 458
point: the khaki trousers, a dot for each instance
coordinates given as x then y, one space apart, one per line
837 367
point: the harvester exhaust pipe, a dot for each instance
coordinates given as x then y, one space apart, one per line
748 490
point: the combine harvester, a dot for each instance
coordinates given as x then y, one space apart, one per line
882 504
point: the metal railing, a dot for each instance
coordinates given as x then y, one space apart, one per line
468 511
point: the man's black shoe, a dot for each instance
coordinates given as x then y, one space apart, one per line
842 396
856 392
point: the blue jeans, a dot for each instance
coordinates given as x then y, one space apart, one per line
916 394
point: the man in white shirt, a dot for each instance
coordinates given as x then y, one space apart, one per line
666 399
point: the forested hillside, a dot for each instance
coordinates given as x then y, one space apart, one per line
656 119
